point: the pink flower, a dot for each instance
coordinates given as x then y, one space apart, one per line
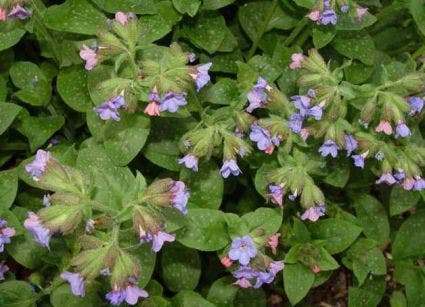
384 126
305 133
408 183
90 56
273 241
314 16
226 261
152 109
3 14
121 18
361 11
243 283
297 58
315 269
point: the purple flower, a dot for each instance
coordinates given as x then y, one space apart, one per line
160 238
315 112
34 225
276 194
243 283
408 183
244 272
358 160
276 266
314 213
264 278
416 105
153 95
3 269
344 8
387 178
190 161
419 184
296 122
76 282
229 167
402 130
38 166
302 103
329 148
105 272
242 249
132 294
400 175
257 96
172 101
19 12
144 236
201 77
5 234
116 296
262 137
109 109
90 56
350 144
180 196
328 17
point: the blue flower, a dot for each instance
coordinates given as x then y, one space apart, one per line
402 130
296 122
242 249
190 161
350 144
329 148
328 17
416 105
171 102
230 167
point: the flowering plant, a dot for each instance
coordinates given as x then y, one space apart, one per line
212 153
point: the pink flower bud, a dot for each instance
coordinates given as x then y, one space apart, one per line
226 262
152 109
121 18
314 15
297 58
273 241
384 126
3 14
315 269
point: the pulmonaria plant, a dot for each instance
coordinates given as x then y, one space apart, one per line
328 12
10 10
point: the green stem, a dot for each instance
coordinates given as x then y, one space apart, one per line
262 29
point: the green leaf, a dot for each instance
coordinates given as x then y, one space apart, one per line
372 218
222 292
357 72
215 4
38 129
181 267
309 4
35 88
163 153
8 188
253 15
325 261
348 23
16 293
265 67
355 45
369 294
8 112
398 299
208 178
190 299
207 32
322 35
26 251
267 219
75 16
417 9
135 6
205 231
10 38
250 297
189 7
410 239
338 173
297 281
337 234
62 296
152 28
402 200
223 92
72 86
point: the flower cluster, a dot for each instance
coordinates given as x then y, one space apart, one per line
252 264
16 11
258 97
170 102
303 105
325 14
109 109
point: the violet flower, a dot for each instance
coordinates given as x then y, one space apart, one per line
116 296
296 122
358 160
329 147
5 234
133 293
387 178
3 269
344 8
191 57
264 278
302 103
263 139
37 167
316 112
76 282
419 184
276 266
328 17
201 77
416 105
109 109
171 102
190 161
242 249
244 271
90 56
402 130
243 283
276 194
350 144
314 213
180 196
257 97
400 175
408 183
19 12
160 238
34 225
230 167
